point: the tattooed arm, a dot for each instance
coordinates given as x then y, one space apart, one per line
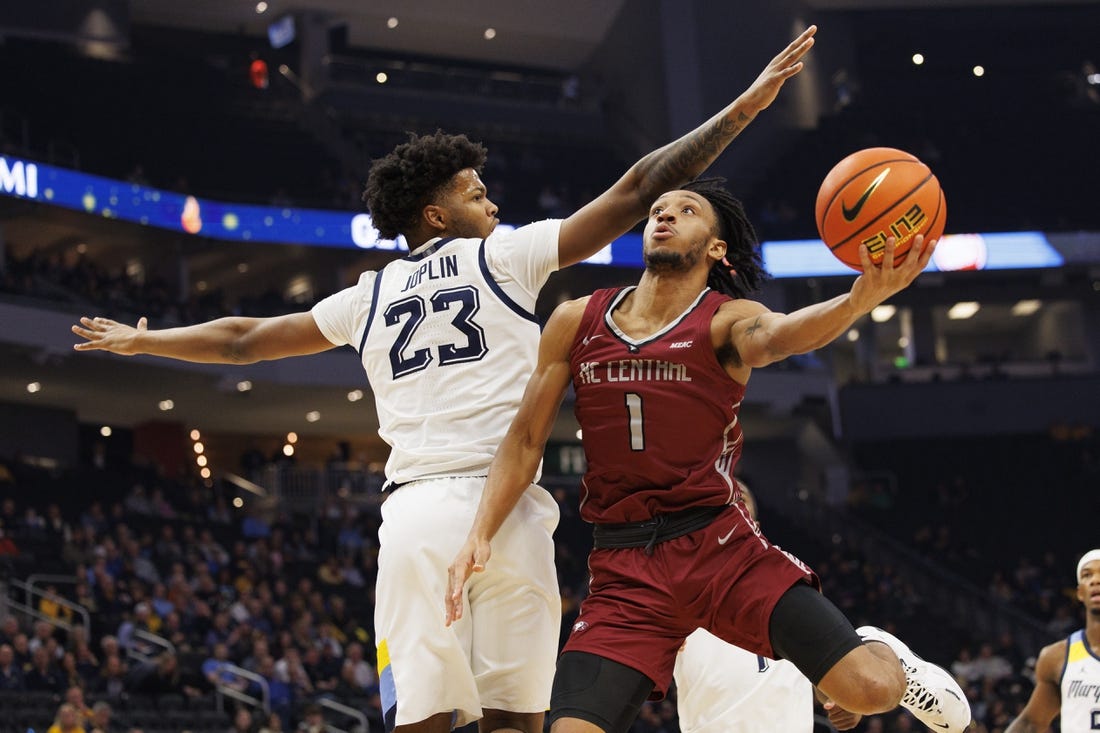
747 335
1046 699
619 208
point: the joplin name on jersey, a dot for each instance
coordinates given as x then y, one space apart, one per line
446 266
633 370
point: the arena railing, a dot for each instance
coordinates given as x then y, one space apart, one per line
223 691
362 727
32 595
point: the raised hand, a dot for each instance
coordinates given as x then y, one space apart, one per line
103 334
764 90
879 282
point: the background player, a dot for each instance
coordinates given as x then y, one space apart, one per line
722 688
659 372
447 338
1067 674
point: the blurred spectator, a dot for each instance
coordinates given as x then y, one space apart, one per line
11 674
75 697
43 676
111 680
272 724
313 720
242 721
67 720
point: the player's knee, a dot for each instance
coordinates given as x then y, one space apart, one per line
865 683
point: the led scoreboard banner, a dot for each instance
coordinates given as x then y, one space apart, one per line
235 222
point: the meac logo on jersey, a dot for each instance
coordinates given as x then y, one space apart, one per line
19 178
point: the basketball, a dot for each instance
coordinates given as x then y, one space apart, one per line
874 194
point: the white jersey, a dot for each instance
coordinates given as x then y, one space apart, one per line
1080 686
448 337
721 688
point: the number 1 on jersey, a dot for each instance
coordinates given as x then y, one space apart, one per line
634 412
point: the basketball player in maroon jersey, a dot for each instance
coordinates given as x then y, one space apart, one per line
659 371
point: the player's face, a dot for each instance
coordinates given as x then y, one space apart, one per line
680 232
470 212
1088 590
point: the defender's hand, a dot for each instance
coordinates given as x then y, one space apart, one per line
103 334
764 90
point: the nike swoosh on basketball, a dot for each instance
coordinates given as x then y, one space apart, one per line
852 213
724 540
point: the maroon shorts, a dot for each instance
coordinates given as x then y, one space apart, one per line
725 577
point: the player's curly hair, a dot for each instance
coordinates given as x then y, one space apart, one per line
406 180
742 272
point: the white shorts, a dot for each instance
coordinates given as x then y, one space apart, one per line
501 653
722 688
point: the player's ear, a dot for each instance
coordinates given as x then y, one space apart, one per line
435 216
717 248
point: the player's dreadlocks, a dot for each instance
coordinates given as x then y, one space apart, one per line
402 183
742 272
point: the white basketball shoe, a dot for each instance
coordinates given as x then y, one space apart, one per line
931 693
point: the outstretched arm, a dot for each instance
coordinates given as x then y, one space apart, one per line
761 337
1046 699
517 459
619 208
223 341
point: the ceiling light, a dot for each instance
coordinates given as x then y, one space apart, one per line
579 434
81 248
1026 307
883 313
355 395
903 342
381 77
201 460
963 310
244 386
313 416
166 405
292 438
853 334
288 450
195 435
205 473
261 7
490 34
1093 79
918 58
34 387
199 448
238 502
242 268
105 431
979 71
391 23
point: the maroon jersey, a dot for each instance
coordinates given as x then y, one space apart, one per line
659 414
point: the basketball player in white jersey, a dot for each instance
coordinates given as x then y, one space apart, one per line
448 339
722 688
1067 675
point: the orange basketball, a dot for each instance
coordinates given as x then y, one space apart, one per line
874 194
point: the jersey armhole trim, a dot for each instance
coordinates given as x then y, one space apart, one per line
373 307
499 291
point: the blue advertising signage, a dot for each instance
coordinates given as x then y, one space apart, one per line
235 222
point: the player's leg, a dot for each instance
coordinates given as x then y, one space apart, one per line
867 678
515 613
593 694
425 680
503 721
